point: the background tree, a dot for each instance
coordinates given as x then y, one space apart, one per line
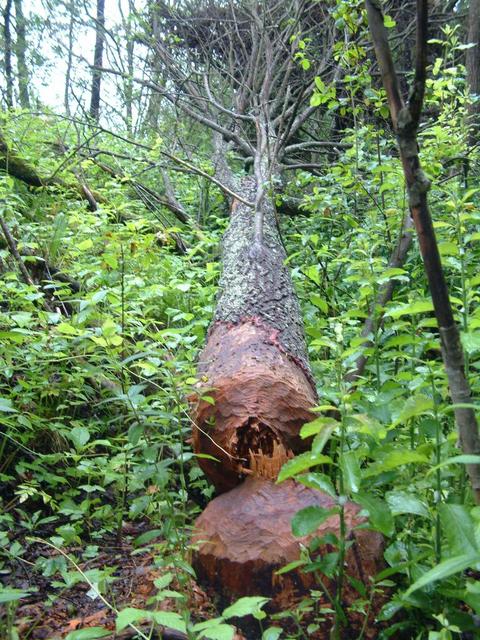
7 45
473 66
21 55
97 60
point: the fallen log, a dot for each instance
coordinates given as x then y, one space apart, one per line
14 165
255 392
256 388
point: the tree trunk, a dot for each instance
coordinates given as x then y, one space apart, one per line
128 84
68 73
245 536
255 364
97 60
21 54
255 393
7 36
473 69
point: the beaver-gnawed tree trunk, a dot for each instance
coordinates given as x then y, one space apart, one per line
255 359
255 368
235 70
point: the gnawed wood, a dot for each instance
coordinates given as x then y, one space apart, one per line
243 537
262 397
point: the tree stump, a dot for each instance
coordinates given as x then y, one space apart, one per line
243 537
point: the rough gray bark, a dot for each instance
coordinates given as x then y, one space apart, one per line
255 282
255 363
97 60
473 68
21 54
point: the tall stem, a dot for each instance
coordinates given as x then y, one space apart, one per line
405 118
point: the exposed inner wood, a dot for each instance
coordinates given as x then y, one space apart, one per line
243 537
261 400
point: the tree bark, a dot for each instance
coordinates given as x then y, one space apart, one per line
473 69
7 36
21 54
14 165
245 536
255 364
97 60
68 73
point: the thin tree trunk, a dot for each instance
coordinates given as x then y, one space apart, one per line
405 118
375 316
473 69
21 54
128 83
68 74
7 36
97 60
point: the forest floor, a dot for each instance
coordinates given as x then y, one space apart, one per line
53 612
127 577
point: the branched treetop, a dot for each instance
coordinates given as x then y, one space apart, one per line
245 69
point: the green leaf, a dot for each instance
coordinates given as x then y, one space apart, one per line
312 273
458 527
351 471
471 342
6 406
67 329
12 595
379 514
131 615
389 22
291 566
84 245
220 632
318 301
245 607
322 425
420 306
308 520
272 633
414 406
318 481
444 570
300 463
91 633
394 459
147 537
461 459
403 502
170 619
79 436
